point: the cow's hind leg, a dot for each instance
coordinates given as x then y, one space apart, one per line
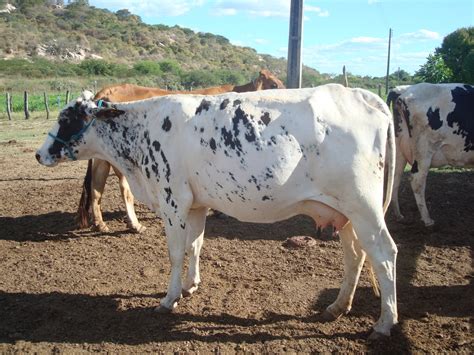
194 241
376 241
353 261
132 220
100 172
419 174
401 162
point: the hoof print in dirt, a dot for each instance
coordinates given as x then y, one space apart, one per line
299 242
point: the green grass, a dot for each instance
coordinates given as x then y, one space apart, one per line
21 130
442 170
36 102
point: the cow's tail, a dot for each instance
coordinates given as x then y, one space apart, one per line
85 202
391 97
401 117
390 157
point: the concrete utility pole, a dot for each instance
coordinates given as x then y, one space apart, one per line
294 45
388 61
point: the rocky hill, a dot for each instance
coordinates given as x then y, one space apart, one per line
77 31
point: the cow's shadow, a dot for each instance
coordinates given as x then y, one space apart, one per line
68 318
49 226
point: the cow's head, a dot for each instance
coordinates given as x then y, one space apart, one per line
266 80
68 139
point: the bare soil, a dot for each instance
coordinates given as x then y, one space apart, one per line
69 290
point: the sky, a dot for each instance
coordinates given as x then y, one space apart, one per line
353 33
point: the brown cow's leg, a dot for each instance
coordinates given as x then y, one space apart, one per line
100 172
127 196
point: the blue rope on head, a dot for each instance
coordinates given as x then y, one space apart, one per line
74 137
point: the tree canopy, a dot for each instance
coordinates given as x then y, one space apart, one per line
455 50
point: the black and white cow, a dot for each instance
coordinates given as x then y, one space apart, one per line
259 157
434 126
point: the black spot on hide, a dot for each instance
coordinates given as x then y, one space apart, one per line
433 119
166 124
463 115
266 118
224 104
203 106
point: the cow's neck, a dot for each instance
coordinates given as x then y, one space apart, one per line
244 88
119 140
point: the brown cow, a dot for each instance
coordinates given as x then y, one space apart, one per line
98 170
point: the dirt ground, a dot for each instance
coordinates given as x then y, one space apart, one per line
69 290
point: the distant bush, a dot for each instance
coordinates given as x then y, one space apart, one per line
170 66
147 67
97 67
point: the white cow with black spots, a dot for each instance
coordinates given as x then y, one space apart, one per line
434 125
259 157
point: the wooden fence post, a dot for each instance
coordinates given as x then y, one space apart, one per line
346 83
9 106
25 103
46 104
67 96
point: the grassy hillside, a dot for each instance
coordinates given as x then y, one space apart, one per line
49 48
57 40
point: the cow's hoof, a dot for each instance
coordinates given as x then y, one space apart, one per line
101 227
399 217
327 316
137 229
163 310
377 336
189 291
429 224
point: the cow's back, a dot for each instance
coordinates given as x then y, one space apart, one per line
247 154
441 118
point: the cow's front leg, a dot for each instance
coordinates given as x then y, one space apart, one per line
194 240
180 222
176 250
419 174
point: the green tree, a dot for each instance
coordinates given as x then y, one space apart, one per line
435 70
468 68
455 49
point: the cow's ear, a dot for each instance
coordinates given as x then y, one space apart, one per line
108 112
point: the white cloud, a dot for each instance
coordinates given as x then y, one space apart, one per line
366 40
420 35
262 8
316 9
156 8
363 55
260 41
225 12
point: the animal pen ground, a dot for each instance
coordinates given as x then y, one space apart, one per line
64 289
